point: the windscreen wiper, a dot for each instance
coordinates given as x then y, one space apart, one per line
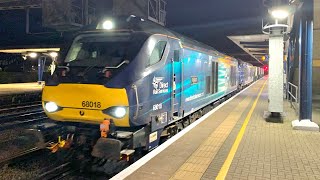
116 67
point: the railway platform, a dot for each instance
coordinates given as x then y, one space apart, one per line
19 88
19 94
234 141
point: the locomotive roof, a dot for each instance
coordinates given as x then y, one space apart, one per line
137 24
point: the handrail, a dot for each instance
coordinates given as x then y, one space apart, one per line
137 100
291 95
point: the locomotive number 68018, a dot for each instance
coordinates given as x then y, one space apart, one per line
91 104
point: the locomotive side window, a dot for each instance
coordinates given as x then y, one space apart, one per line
215 70
157 52
208 84
233 76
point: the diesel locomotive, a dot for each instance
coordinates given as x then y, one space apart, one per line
127 82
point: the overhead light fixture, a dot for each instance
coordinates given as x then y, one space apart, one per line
33 55
280 13
53 54
108 25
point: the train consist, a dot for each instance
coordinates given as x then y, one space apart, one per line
127 82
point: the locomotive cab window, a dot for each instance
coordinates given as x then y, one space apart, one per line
96 58
101 50
157 53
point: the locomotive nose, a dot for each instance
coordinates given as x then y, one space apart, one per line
86 103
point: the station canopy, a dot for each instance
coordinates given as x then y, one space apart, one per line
19 4
28 50
256 45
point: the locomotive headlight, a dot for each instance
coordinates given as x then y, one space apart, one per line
120 112
116 111
108 25
51 107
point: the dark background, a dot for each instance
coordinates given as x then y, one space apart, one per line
208 21
211 21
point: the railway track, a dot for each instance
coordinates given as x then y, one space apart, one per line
10 108
16 139
58 172
18 116
40 164
17 155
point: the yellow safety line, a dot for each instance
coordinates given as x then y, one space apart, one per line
226 165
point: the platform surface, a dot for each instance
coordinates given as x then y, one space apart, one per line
265 150
19 88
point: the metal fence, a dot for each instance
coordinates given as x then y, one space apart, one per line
293 95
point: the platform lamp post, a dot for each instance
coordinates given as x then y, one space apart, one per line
54 56
276 32
41 63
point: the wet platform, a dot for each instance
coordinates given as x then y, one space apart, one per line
19 88
234 141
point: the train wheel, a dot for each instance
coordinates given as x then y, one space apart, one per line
193 118
179 126
172 131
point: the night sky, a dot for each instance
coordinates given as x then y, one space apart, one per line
208 21
211 21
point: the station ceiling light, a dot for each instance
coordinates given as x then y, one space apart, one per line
282 12
53 54
279 13
33 54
